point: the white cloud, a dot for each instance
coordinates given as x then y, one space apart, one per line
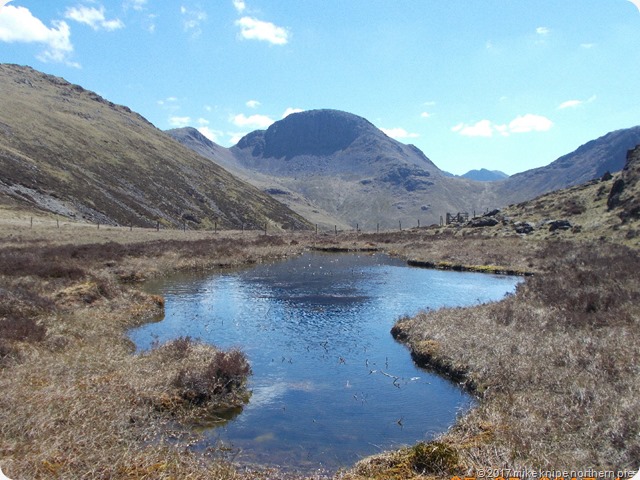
17 24
253 104
575 103
483 128
252 121
399 133
426 114
203 121
212 135
170 104
179 122
193 20
570 104
521 124
530 123
239 5
587 45
136 4
254 29
94 17
543 31
291 110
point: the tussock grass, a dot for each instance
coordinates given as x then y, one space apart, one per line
557 360
555 365
77 401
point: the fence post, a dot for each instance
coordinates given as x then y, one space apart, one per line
242 227
31 222
378 228
157 225
215 227
335 227
184 225
57 223
265 228
98 225
418 223
131 226
400 224
316 229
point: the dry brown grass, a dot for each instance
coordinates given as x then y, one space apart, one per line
555 365
556 360
77 402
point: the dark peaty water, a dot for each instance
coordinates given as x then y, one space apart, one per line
330 385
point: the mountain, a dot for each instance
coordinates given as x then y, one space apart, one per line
604 208
345 166
484 175
68 151
334 167
591 160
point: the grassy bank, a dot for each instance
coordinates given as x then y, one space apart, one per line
555 366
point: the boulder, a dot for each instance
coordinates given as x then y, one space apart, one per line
559 225
482 222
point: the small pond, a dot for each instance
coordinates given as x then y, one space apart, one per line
330 385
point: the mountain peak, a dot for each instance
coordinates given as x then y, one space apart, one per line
312 132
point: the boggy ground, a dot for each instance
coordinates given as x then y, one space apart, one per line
555 366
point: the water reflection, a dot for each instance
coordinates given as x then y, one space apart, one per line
330 385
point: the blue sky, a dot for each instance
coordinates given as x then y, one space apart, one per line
500 84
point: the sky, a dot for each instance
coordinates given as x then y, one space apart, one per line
500 84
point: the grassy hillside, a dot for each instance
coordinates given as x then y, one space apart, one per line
68 151
600 210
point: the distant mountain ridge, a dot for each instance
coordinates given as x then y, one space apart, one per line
607 153
333 166
338 167
68 151
484 175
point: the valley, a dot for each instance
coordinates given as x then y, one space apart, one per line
95 202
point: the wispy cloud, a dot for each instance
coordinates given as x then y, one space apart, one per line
18 25
192 20
575 103
399 133
179 122
530 123
426 115
136 4
252 121
254 29
521 124
483 128
253 104
544 31
170 104
94 17
239 5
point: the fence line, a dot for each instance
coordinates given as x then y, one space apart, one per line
448 218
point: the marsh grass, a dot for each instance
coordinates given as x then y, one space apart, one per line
555 365
77 401
557 360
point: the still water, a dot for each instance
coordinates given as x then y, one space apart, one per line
330 385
